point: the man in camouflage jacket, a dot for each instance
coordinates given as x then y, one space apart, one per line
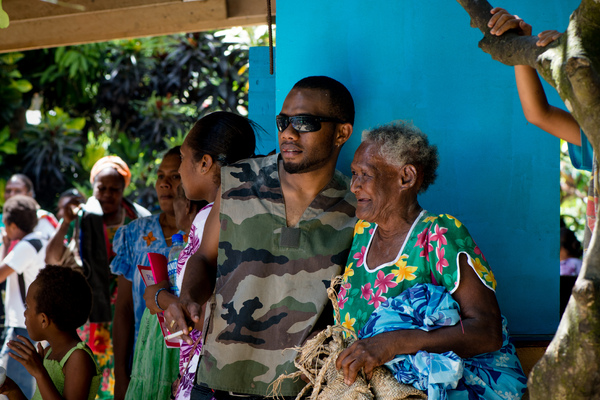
280 229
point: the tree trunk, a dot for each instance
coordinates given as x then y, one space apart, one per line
570 368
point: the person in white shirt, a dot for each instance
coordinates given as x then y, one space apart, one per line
19 268
21 184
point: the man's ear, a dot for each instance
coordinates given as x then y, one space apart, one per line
343 133
206 163
408 176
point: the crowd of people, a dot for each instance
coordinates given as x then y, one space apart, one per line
265 236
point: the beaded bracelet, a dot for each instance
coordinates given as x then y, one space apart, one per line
156 298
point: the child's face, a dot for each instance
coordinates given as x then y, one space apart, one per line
13 232
32 317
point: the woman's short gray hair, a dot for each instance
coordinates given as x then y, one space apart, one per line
400 143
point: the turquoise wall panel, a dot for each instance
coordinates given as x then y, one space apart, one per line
420 61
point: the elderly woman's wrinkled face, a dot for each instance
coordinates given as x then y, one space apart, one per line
108 190
375 183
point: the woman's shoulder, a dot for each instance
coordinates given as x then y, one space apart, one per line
443 220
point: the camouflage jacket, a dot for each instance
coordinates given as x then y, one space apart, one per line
271 279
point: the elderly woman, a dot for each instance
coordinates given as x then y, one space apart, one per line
417 289
94 223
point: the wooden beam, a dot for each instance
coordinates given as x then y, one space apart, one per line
123 19
22 10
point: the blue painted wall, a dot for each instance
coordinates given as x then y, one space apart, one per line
417 61
261 99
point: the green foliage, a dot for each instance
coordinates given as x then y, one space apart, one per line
12 87
573 193
133 98
162 117
71 81
7 145
95 149
50 151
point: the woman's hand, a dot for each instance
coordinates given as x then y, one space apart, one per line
25 353
150 296
182 315
71 209
366 354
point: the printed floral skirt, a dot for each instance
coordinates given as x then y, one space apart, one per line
98 336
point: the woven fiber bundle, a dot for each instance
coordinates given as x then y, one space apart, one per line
316 361
385 386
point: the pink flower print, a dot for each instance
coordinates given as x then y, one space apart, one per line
371 231
442 262
343 290
477 251
439 235
366 291
341 302
377 299
384 282
423 242
360 256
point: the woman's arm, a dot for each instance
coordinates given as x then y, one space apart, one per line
199 278
56 244
165 298
480 331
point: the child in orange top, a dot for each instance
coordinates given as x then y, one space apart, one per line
57 303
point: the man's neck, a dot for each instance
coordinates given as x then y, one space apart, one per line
299 190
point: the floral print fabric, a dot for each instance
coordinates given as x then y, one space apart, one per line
400 294
429 255
496 375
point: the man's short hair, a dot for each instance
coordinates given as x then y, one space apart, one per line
22 211
341 102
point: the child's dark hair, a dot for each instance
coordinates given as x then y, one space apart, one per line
569 242
225 136
22 211
64 296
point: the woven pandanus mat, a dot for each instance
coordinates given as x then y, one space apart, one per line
316 361
385 386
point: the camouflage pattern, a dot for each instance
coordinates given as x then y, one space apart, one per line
271 279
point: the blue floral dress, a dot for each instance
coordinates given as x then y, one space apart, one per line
380 299
132 243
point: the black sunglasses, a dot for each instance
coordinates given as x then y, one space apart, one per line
303 123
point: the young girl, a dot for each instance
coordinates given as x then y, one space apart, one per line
217 139
57 303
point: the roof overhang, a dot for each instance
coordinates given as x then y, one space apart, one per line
37 24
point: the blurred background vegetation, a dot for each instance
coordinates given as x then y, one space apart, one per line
573 193
62 109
